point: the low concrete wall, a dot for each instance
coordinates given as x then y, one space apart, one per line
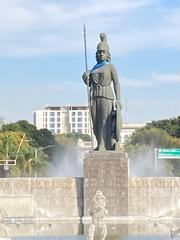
154 196
63 197
42 197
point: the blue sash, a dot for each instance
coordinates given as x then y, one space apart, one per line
100 64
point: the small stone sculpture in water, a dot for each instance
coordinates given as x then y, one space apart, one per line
105 102
98 213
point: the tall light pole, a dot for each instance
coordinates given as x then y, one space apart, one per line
36 153
41 148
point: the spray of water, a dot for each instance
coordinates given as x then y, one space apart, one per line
68 162
142 163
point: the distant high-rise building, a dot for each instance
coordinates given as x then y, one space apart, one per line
63 119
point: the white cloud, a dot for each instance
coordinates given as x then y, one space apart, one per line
48 27
173 78
152 109
134 40
135 83
115 7
166 78
44 14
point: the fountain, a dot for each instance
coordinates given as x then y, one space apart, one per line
98 213
122 205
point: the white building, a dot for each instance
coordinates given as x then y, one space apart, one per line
128 129
63 119
68 119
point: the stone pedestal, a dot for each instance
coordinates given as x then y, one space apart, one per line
107 171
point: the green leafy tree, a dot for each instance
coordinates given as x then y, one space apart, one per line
171 126
46 140
37 138
24 127
154 137
72 138
37 165
9 144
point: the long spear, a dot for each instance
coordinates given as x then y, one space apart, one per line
85 49
88 92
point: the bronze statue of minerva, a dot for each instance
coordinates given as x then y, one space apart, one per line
105 104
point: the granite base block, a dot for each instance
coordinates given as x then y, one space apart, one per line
107 171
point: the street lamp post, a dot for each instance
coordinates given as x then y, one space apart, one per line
38 149
41 148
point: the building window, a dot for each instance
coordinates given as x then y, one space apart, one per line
51 119
51 125
52 114
79 130
58 125
80 125
58 113
73 113
85 113
79 113
85 124
79 119
58 119
73 130
58 131
73 125
52 130
73 119
126 139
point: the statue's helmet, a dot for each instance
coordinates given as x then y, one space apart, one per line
103 46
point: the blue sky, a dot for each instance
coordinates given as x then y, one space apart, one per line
42 58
